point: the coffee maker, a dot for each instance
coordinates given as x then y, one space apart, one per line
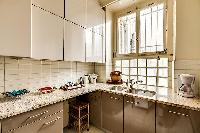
187 88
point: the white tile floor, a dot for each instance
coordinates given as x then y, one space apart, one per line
92 130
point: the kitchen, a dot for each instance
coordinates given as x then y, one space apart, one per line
99 66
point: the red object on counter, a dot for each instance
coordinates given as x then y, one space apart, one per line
46 90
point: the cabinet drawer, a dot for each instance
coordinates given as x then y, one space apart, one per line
29 117
51 124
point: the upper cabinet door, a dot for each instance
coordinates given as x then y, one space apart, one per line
55 6
95 40
15 28
76 10
47 35
74 34
74 42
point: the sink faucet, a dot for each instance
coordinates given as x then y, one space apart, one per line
135 82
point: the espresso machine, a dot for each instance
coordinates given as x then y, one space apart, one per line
187 88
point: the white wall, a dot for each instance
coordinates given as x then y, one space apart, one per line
187 30
187 53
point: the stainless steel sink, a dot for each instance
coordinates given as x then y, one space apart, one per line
141 92
118 88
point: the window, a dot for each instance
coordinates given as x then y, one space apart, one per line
151 29
151 34
127 34
152 72
140 42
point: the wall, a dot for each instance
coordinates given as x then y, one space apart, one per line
103 70
187 54
33 74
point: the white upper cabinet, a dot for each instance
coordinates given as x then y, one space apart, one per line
74 43
95 44
47 35
74 34
75 11
15 28
55 6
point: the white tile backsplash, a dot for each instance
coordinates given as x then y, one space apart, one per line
33 74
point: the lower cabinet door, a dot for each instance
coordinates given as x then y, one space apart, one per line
139 116
49 125
52 125
95 109
112 112
176 120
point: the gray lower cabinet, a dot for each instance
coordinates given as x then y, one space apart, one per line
112 112
47 119
139 116
95 109
176 120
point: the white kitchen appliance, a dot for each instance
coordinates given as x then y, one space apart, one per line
86 79
93 78
187 88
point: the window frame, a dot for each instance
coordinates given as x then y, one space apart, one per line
136 8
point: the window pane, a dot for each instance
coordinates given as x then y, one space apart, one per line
125 63
151 71
134 78
151 81
118 63
151 62
127 34
163 72
163 62
117 69
133 63
163 82
133 71
141 62
125 71
151 29
142 71
143 79
125 78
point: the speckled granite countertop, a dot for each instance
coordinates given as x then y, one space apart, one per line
14 106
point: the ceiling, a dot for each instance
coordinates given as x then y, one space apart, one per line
116 5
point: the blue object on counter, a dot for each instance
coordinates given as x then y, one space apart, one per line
16 93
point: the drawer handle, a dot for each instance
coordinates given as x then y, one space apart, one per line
116 98
111 97
127 101
38 114
178 113
53 121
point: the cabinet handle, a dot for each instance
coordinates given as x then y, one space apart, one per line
178 113
127 101
53 121
116 98
111 97
35 116
46 111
